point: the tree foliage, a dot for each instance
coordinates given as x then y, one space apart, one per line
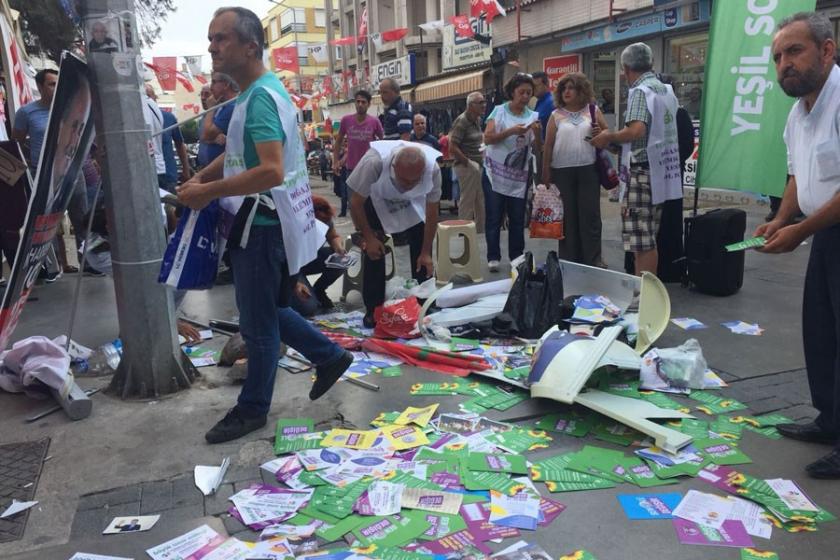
49 30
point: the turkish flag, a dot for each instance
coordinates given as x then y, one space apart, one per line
462 26
166 69
286 58
344 41
184 81
491 9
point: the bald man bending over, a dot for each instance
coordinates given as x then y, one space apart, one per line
395 188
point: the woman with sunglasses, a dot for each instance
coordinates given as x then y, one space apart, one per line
512 134
569 164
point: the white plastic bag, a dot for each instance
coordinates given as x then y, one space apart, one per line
683 367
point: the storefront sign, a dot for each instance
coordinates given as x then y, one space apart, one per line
400 69
690 174
744 111
626 30
461 51
558 66
66 145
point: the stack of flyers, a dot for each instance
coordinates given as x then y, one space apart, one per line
263 503
740 327
522 510
342 262
195 544
595 309
518 440
405 437
418 416
317 459
522 551
569 423
351 439
296 435
715 404
721 451
688 323
649 506
432 500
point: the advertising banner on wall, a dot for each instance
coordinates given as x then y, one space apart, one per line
400 69
461 51
744 110
558 66
66 144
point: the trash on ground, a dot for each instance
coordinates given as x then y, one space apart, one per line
740 327
16 507
208 479
135 524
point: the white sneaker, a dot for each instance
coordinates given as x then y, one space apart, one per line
493 266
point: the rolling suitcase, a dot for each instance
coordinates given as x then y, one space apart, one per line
711 269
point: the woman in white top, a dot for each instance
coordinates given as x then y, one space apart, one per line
569 163
512 134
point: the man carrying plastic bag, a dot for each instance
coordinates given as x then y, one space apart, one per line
262 179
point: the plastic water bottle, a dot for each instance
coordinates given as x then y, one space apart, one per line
411 283
106 359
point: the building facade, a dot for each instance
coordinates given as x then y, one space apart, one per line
298 24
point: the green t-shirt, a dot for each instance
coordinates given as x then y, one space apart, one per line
262 124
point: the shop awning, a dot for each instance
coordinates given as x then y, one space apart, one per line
453 86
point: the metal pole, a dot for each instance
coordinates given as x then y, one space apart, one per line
328 8
150 365
75 304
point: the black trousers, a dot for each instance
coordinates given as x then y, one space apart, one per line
821 326
373 283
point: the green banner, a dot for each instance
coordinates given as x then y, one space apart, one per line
744 110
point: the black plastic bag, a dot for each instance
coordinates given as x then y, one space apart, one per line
536 298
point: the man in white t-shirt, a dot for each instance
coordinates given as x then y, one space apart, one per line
395 188
804 50
154 119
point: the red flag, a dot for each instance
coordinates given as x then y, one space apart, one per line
201 79
328 85
394 34
165 68
491 9
363 24
184 81
286 58
344 41
462 26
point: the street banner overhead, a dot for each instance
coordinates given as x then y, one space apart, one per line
66 144
744 109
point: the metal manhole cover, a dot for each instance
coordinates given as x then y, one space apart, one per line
20 468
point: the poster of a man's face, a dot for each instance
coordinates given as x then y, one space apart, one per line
103 35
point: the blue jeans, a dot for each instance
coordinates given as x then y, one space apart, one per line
497 205
263 287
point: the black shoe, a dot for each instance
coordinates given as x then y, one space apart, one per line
343 215
90 271
323 299
827 467
328 374
51 277
809 432
234 425
369 322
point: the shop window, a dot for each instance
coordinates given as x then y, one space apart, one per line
686 65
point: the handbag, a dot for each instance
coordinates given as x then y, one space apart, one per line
607 176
